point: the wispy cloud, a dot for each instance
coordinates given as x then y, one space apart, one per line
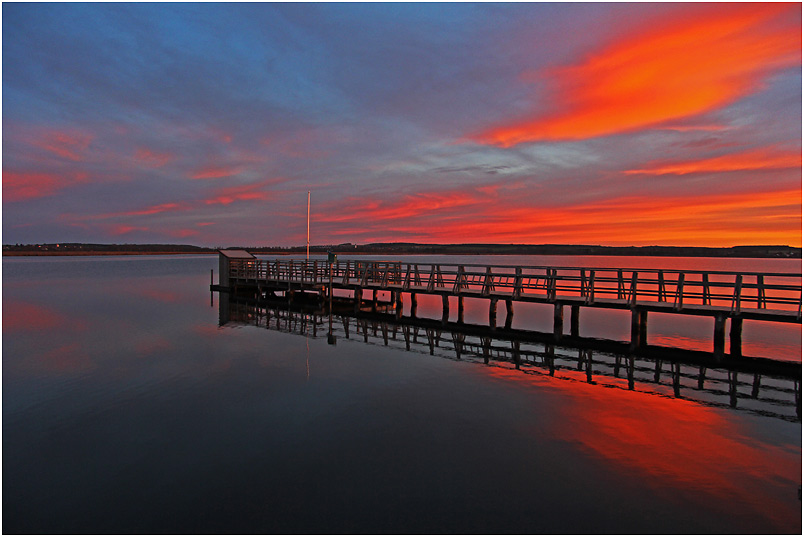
22 186
759 159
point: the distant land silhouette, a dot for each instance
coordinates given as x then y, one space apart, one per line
402 248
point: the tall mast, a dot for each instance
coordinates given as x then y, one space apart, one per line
308 225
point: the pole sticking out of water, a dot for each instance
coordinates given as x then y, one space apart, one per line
308 225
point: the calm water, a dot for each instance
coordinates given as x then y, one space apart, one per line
127 409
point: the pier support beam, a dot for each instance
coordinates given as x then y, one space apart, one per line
575 313
720 335
509 313
358 298
374 301
413 305
445 308
736 336
398 304
558 320
493 313
460 309
639 328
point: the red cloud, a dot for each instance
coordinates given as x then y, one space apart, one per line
69 144
697 61
123 229
253 191
20 186
216 172
760 159
152 158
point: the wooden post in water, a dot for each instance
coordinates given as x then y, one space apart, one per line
374 301
358 298
558 320
445 308
413 305
399 305
493 313
639 328
460 309
720 335
575 311
736 336
509 313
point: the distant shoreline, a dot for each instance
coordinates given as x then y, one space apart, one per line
403 249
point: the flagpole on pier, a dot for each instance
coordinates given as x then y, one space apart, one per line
308 225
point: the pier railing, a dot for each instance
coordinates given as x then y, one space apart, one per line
674 290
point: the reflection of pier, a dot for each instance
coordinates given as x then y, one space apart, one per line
763 387
722 296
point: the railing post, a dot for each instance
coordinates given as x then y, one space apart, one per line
518 283
736 299
679 293
760 291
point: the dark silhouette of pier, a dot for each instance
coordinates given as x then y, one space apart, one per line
719 295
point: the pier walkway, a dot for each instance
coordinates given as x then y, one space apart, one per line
720 295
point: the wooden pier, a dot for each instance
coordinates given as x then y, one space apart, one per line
719 295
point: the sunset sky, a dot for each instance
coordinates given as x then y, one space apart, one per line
206 124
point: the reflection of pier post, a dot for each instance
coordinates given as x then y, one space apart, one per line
631 372
550 359
515 352
676 366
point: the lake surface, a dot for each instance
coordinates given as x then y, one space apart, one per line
128 408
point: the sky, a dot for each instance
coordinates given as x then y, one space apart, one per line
538 123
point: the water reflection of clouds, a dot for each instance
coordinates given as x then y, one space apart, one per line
677 442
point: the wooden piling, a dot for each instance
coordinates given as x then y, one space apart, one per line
493 313
575 311
736 336
460 309
509 313
720 336
639 328
558 320
413 305
445 308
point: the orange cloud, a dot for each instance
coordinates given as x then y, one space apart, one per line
409 206
761 159
704 220
20 186
697 61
